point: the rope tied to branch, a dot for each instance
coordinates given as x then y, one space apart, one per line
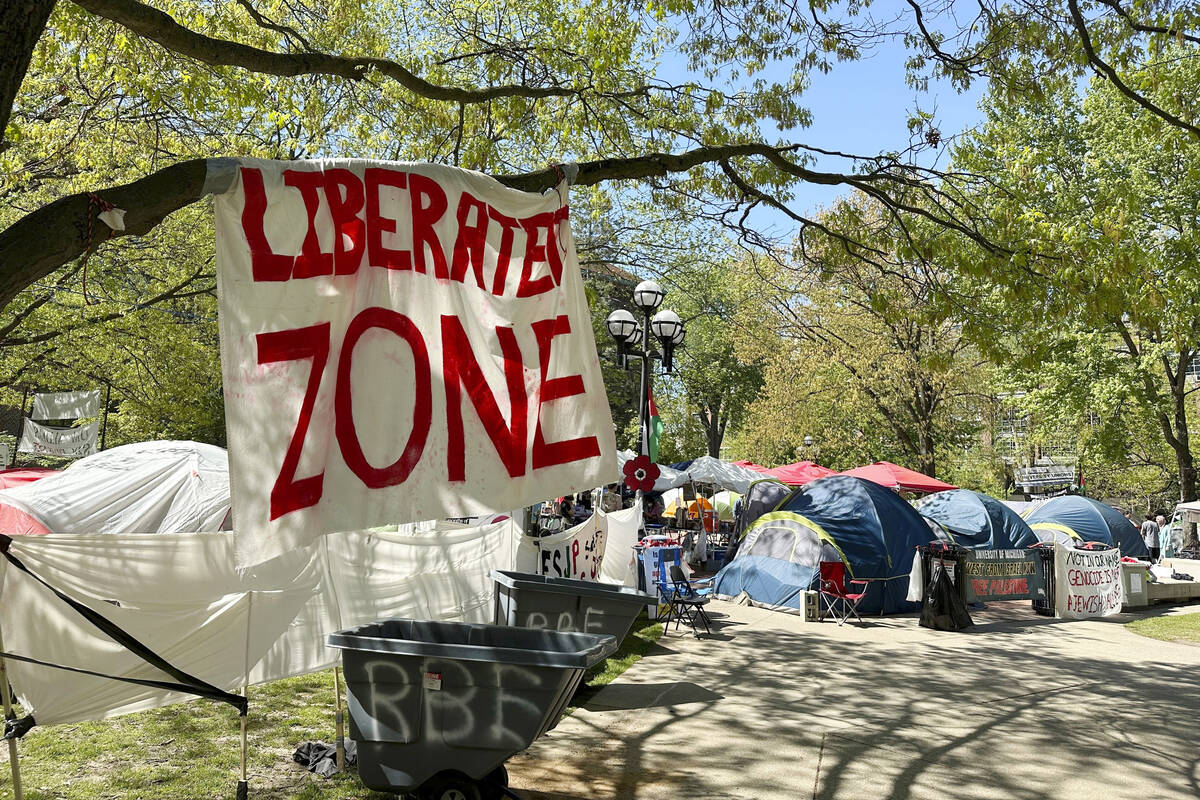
110 215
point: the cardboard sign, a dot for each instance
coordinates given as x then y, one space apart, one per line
1002 575
1087 583
399 342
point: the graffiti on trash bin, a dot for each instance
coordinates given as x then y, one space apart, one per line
592 620
477 704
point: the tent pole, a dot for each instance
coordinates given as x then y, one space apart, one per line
104 426
243 787
341 736
13 759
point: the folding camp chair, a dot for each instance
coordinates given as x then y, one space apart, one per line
839 602
687 601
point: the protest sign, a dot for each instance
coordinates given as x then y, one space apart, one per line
574 553
44 440
399 342
1002 575
1087 583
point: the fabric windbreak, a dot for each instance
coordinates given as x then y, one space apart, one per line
180 595
173 596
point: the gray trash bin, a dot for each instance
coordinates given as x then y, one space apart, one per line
438 707
563 604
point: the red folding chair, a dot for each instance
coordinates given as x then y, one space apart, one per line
839 601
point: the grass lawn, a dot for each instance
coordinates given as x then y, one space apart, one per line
1174 628
191 751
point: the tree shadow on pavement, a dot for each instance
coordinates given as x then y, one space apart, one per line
1021 709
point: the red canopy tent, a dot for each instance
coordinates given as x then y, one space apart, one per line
15 477
751 465
800 473
894 476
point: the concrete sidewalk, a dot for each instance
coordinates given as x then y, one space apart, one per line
1017 707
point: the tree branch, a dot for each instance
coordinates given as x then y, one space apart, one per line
161 28
1106 71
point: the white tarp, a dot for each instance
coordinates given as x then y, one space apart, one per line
1087 583
721 474
399 342
183 597
66 405
45 440
149 487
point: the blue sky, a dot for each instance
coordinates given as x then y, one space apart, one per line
863 107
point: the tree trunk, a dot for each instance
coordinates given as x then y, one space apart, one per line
21 25
926 456
714 427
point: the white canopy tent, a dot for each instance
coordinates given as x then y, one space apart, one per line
721 474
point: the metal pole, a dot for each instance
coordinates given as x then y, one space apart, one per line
20 426
243 787
13 760
643 433
104 425
341 736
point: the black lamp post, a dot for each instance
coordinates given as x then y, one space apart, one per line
635 339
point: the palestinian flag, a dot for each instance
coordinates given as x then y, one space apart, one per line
654 429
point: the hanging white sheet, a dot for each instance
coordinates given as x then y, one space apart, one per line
45 440
66 405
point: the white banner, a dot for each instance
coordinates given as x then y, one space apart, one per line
399 342
44 440
574 553
66 405
1087 583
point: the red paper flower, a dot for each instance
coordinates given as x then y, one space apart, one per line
641 473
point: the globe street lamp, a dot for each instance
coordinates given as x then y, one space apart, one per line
634 339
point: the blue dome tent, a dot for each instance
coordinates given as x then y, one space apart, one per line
1089 520
864 525
977 521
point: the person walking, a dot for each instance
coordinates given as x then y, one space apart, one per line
1166 538
1150 537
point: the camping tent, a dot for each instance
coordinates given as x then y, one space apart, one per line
867 527
1087 519
762 496
149 487
750 465
724 502
894 476
800 473
977 521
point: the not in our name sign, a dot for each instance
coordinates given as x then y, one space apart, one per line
1002 575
